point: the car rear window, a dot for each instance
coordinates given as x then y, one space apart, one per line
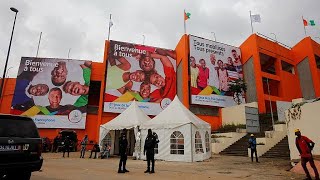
18 128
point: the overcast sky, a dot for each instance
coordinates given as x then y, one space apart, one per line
82 25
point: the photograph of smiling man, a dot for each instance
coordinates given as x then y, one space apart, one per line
141 73
52 93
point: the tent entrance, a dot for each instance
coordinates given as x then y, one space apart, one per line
130 138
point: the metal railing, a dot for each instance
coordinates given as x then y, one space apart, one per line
273 40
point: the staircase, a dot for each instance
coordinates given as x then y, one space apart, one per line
239 148
280 150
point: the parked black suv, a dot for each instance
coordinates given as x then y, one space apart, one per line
20 147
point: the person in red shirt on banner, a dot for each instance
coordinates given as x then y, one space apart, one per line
166 86
203 75
305 146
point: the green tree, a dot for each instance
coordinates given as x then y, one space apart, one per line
237 87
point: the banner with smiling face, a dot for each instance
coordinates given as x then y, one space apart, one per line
54 92
139 73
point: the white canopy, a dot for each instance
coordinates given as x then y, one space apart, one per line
182 135
132 117
175 115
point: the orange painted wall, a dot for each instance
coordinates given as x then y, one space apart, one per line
250 48
255 45
308 48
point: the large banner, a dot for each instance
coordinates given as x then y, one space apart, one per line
212 67
141 73
54 92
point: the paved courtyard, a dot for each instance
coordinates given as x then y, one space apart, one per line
218 167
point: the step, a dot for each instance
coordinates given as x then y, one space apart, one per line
280 150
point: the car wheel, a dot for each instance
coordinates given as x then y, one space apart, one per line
19 175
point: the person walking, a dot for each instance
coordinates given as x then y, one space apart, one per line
84 143
253 147
149 146
66 146
305 146
123 144
95 149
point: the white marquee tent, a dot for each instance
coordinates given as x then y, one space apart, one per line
183 136
132 117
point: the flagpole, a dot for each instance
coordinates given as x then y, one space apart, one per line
109 28
39 44
305 31
184 20
251 23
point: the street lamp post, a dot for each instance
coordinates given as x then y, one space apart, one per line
69 53
5 66
275 37
143 39
8 71
214 35
271 110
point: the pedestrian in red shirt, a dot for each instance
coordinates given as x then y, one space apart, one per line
305 146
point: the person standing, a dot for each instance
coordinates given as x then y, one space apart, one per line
123 144
55 144
84 143
95 149
137 147
66 145
203 75
253 147
149 146
194 72
305 146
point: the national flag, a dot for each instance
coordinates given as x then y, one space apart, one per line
110 23
256 18
309 23
187 15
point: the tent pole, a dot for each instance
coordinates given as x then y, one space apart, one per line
191 143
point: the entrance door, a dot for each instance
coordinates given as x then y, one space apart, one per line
252 120
131 142
116 142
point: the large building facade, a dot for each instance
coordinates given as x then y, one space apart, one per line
272 72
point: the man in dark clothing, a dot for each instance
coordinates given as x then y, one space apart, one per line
95 149
123 144
55 144
305 146
66 145
253 147
149 146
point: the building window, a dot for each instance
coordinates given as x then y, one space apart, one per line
198 143
107 140
94 93
271 87
176 143
317 61
156 147
94 97
267 63
287 67
207 141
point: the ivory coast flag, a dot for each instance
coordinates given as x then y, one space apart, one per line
308 22
187 15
